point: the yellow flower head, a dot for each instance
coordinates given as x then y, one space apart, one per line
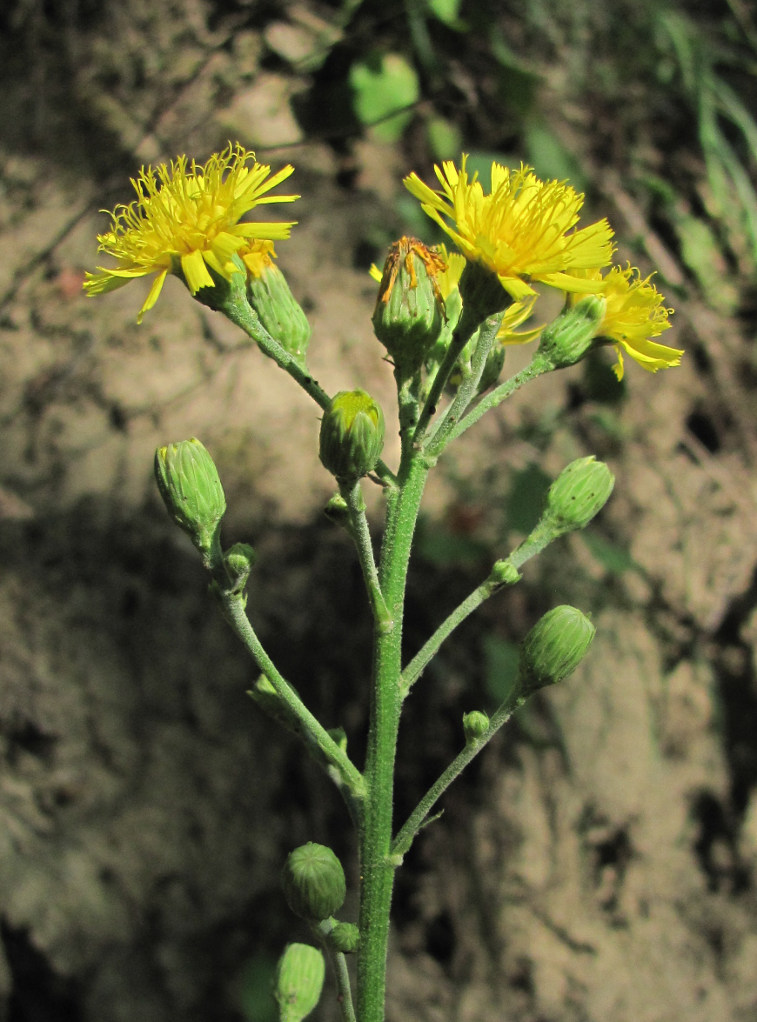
186 220
521 231
635 312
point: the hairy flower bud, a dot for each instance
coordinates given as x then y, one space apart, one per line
299 981
352 435
578 494
553 648
270 297
409 309
475 724
344 938
313 882
191 490
569 337
239 560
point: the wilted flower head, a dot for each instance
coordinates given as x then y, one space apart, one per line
186 220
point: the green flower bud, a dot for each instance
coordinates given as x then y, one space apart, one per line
475 724
345 938
409 310
277 308
504 573
337 511
299 981
313 881
553 648
578 494
352 435
569 337
239 560
191 490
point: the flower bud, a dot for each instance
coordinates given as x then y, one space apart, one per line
578 494
313 881
270 297
553 648
299 981
239 560
344 938
475 725
569 337
504 573
336 510
191 490
409 309
352 435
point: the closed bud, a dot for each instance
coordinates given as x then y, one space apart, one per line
313 881
578 494
475 725
352 435
299 981
409 309
344 938
569 337
239 560
553 648
504 573
270 297
337 511
191 490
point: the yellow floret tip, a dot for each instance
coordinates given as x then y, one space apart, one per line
187 220
523 230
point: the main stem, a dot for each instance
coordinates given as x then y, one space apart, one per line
377 865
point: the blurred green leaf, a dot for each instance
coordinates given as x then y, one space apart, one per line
501 666
382 85
447 11
549 157
253 989
614 558
526 498
444 139
440 546
702 254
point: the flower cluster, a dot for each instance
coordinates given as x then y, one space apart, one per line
524 231
187 220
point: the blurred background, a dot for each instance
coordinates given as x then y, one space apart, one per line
598 861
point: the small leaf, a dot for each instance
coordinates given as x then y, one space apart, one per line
447 11
381 85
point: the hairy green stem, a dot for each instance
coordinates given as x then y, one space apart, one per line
350 776
466 392
537 367
353 497
406 835
339 964
377 865
428 651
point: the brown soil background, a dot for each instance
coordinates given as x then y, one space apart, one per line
598 863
